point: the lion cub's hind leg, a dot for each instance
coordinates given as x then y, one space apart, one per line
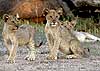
32 52
77 50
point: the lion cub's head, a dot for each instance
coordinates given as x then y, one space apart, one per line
11 21
69 25
52 16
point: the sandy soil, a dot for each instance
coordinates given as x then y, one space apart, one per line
42 64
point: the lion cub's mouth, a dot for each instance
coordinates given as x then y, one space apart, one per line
54 24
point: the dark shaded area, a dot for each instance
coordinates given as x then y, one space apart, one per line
6 5
83 9
70 4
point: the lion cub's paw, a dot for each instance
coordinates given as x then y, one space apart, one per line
51 57
10 61
30 57
69 57
73 56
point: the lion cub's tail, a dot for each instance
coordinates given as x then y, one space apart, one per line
40 44
86 52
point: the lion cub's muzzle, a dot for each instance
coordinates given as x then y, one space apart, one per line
15 27
54 23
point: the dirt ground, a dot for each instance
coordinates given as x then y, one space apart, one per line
91 63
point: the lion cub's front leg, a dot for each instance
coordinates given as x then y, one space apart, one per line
53 47
54 51
6 40
11 58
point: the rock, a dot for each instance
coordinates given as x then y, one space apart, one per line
30 9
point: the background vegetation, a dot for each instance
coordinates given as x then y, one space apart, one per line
83 24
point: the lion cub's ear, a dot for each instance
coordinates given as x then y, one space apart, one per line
45 11
5 17
17 15
59 11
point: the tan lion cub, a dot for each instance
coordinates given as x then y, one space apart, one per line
80 35
60 38
16 36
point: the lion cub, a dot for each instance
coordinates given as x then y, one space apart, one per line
60 38
17 36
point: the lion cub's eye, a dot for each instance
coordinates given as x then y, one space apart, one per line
12 21
56 16
50 16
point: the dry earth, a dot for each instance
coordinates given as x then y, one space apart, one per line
42 64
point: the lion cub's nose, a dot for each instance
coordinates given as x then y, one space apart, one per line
54 21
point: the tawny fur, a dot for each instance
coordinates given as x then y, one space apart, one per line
61 38
16 36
